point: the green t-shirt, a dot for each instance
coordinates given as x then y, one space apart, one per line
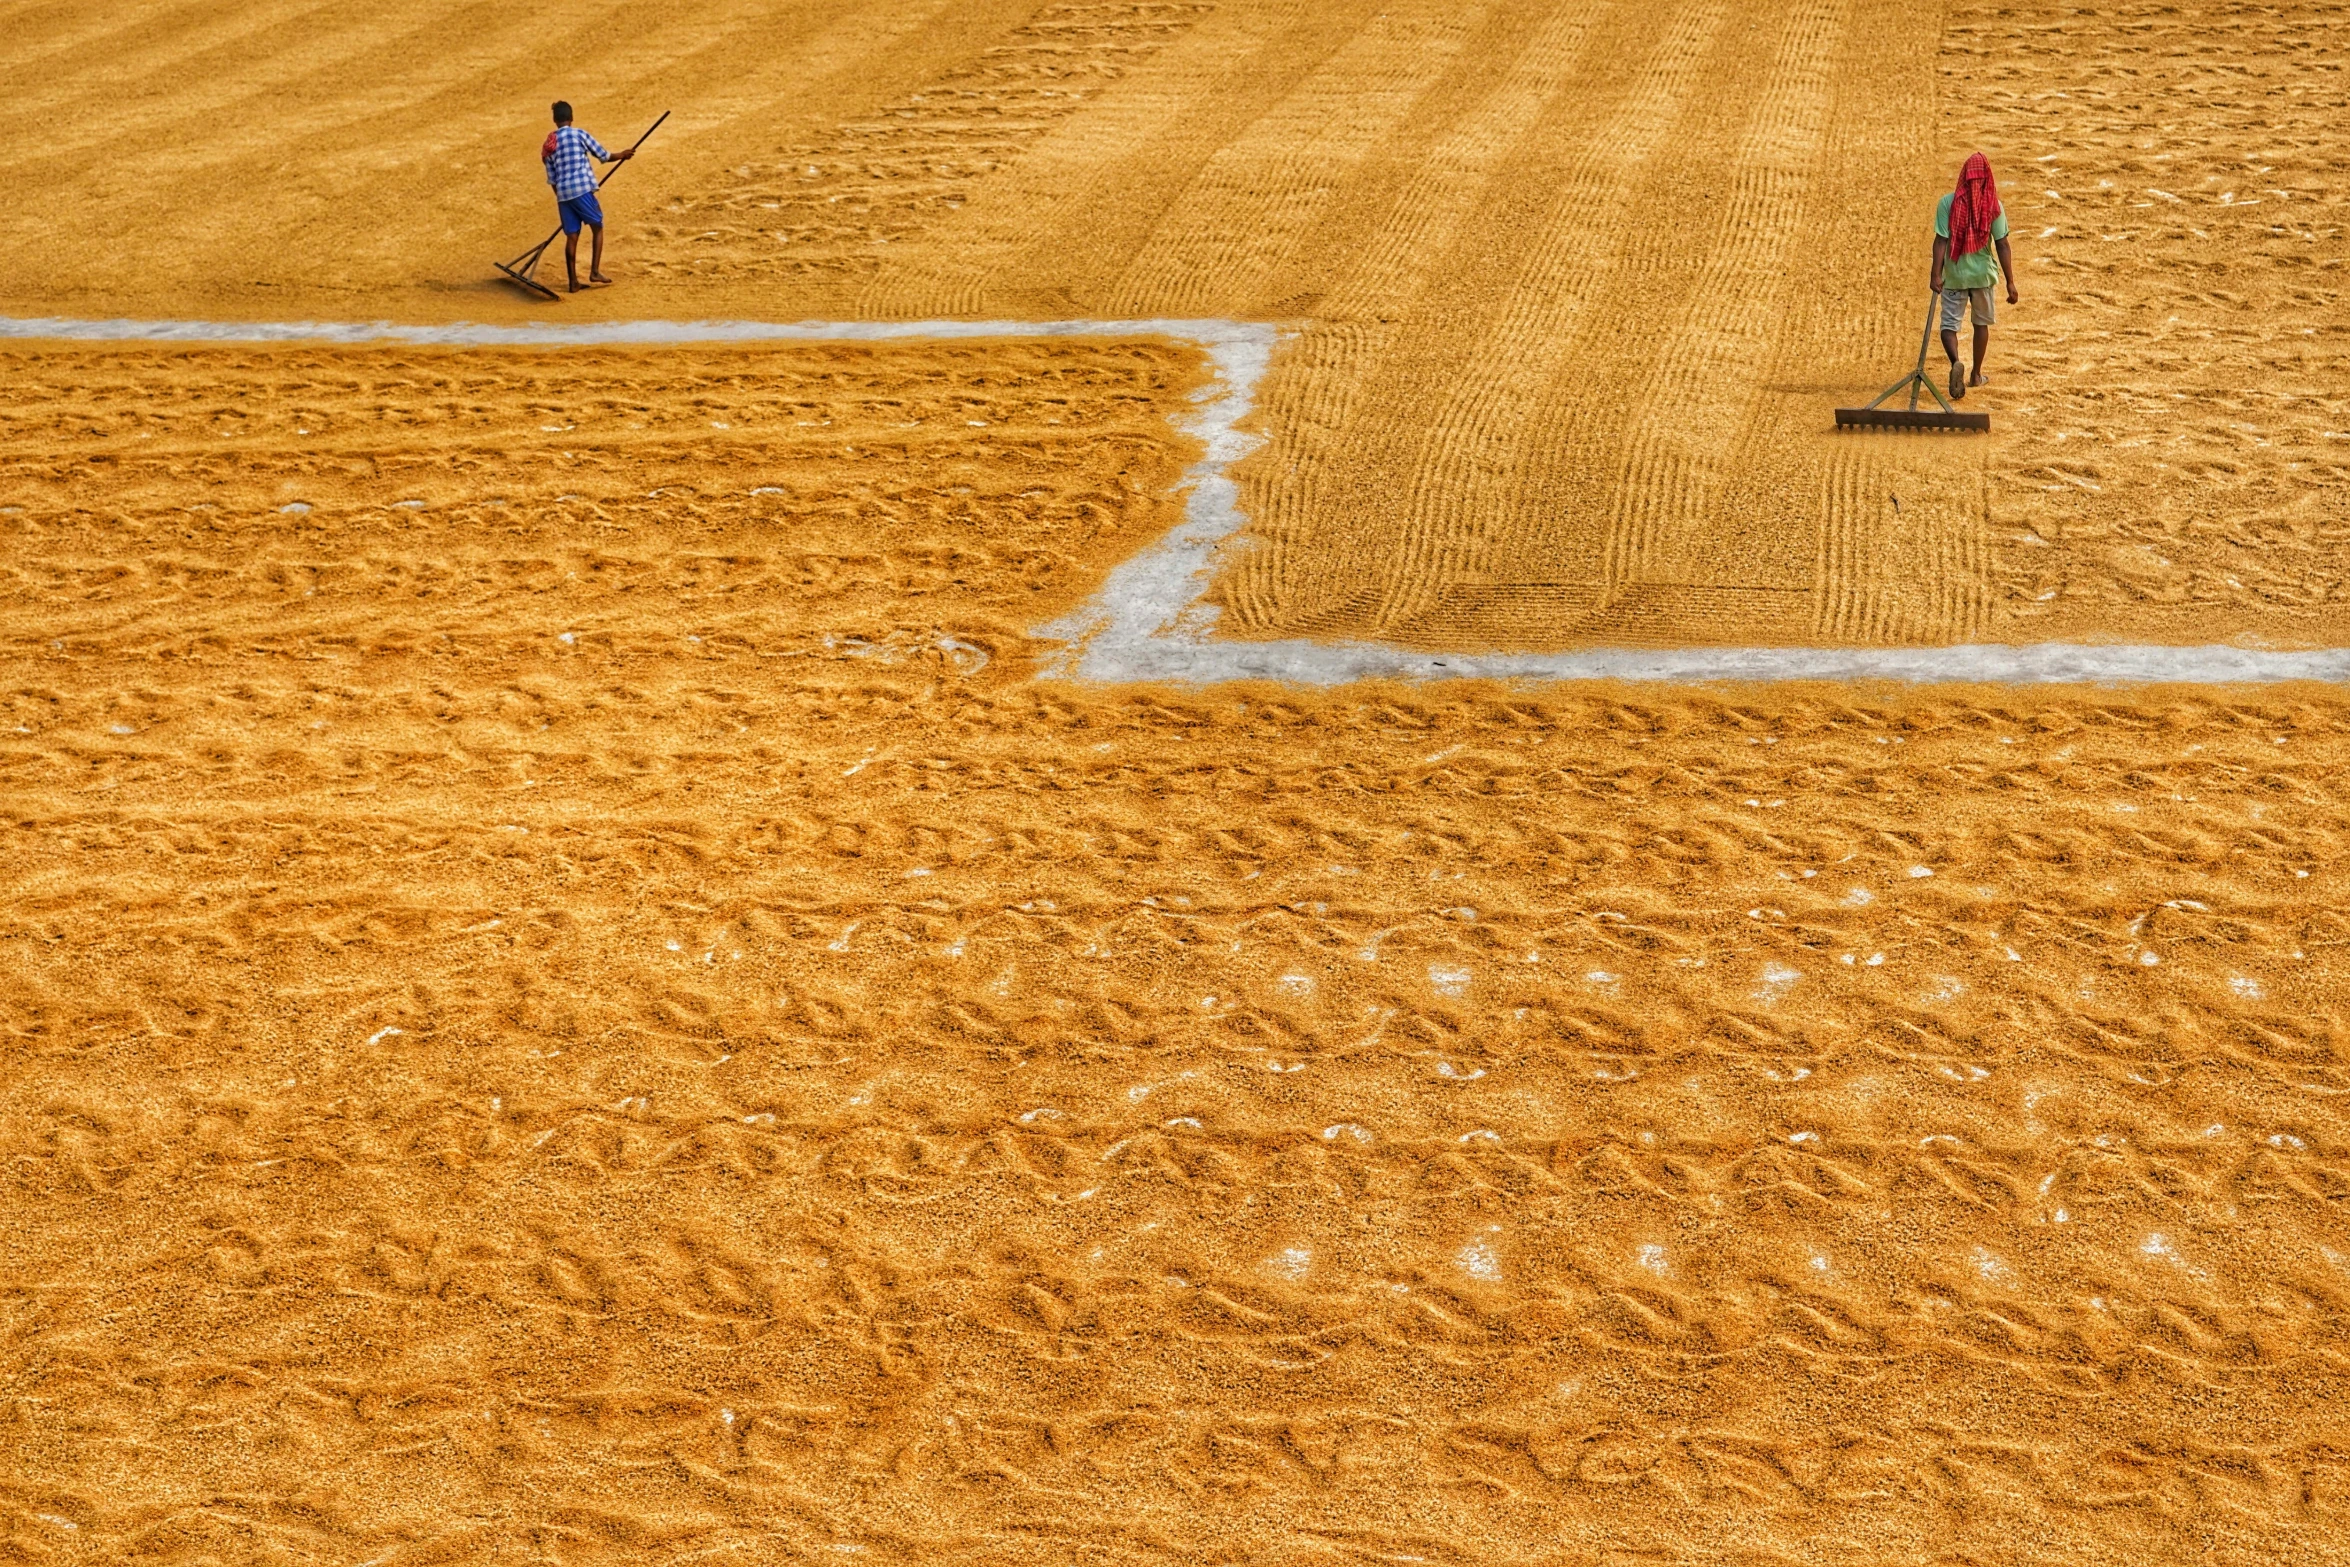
1977 268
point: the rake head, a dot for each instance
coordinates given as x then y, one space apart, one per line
522 269
1909 419
1874 415
526 281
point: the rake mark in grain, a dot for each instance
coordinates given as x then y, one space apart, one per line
826 207
1327 375
1700 395
1464 458
1263 192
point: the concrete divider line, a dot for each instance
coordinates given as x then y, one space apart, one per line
1150 621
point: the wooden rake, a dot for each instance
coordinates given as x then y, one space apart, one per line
520 270
1913 417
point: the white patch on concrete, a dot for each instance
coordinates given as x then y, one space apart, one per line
1290 1262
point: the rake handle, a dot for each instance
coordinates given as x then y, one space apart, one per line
606 178
1916 380
1925 341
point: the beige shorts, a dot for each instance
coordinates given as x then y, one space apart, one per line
1954 306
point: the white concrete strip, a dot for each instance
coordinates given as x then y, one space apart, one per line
1150 622
1180 655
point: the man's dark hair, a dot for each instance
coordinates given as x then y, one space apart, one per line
562 112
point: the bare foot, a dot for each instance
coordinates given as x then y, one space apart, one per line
577 285
1977 379
1957 382
598 280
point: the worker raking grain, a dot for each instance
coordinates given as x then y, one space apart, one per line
569 156
1968 226
573 178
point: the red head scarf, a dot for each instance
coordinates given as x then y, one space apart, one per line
1973 207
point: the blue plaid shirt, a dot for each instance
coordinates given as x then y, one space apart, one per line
568 169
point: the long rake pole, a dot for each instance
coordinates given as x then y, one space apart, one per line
1918 378
521 268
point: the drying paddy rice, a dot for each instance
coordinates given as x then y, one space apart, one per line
581 983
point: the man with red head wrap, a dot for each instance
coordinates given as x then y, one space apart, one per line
1967 227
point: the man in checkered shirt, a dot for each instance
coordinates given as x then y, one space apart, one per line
566 155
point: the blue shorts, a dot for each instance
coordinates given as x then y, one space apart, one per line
578 210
